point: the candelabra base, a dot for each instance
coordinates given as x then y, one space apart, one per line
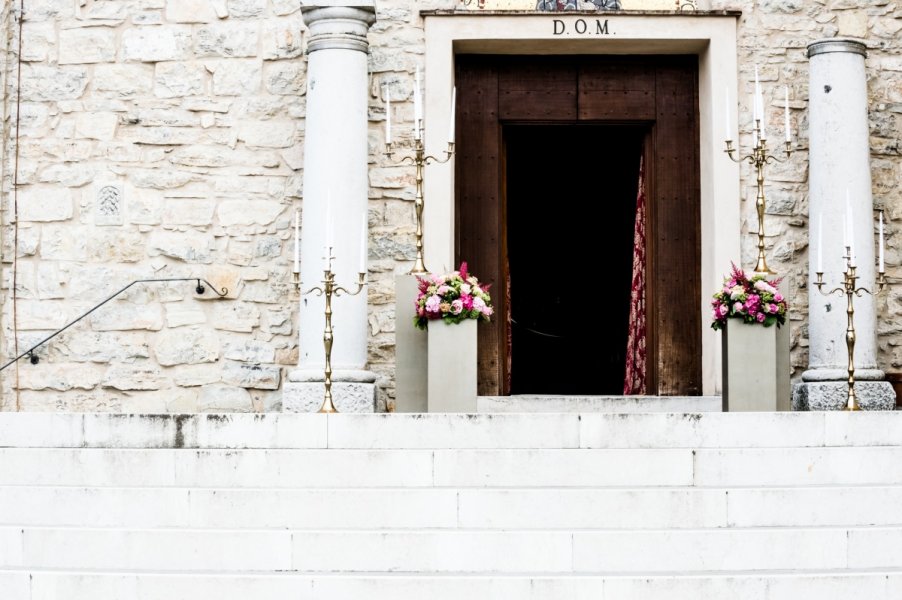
833 395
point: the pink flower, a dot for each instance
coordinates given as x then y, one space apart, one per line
778 297
442 290
438 279
723 310
456 307
487 311
479 304
761 317
738 307
467 301
433 303
773 309
765 287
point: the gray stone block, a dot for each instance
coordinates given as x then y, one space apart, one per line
832 395
348 396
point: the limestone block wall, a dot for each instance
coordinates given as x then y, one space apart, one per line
164 138
157 138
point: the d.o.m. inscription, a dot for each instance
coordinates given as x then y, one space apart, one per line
583 27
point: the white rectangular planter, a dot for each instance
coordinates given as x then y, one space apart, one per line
755 367
452 367
410 349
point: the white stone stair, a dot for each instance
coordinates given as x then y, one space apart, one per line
508 506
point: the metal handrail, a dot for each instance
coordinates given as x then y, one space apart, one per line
200 289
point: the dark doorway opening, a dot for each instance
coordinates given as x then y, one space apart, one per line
570 216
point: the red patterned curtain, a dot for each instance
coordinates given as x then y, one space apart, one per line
634 383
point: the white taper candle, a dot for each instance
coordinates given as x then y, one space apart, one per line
754 121
387 115
759 101
726 115
881 245
297 240
417 106
845 232
453 114
759 105
851 221
363 246
820 243
329 233
786 114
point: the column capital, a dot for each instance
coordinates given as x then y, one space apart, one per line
837 45
338 24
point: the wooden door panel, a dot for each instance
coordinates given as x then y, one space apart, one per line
537 90
616 105
478 214
677 218
620 90
617 74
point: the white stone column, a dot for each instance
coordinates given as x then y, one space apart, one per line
336 189
840 163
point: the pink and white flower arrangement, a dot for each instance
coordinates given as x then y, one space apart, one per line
452 297
753 299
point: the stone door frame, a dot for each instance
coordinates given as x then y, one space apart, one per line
710 35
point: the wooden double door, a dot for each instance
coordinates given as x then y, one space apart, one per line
508 104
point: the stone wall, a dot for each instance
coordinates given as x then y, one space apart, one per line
158 139
164 138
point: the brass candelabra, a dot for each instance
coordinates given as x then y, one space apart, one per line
849 288
420 160
759 158
328 289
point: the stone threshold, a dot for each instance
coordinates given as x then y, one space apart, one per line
601 404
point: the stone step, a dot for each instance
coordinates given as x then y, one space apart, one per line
59 585
416 431
599 404
705 467
488 509
601 552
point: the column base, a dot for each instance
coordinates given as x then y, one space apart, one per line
353 391
348 397
833 395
